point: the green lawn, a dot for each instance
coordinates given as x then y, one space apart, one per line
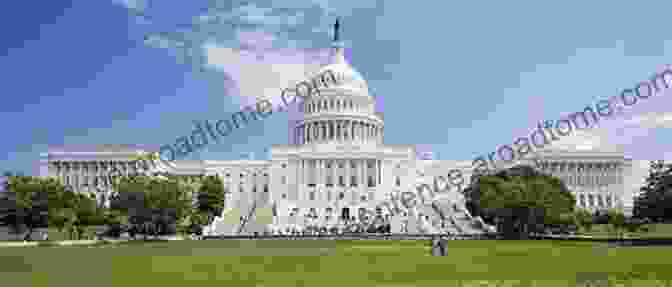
328 263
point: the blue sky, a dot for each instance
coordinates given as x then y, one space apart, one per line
461 78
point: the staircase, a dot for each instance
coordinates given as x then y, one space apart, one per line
460 220
218 226
247 218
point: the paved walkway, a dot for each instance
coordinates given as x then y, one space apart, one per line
76 242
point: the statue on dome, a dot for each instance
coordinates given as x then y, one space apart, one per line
337 25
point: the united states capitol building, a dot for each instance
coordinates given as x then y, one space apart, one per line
338 166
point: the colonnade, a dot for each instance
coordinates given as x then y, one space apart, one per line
338 130
343 172
591 182
91 173
586 173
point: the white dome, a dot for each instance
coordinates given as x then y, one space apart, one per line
348 80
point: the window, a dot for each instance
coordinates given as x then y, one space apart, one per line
266 188
341 196
352 164
362 198
398 181
330 181
312 195
369 164
240 189
242 175
284 165
228 175
254 188
284 196
371 181
341 180
353 180
283 179
340 165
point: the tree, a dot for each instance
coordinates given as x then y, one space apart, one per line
27 203
210 198
584 219
655 200
520 200
616 219
153 204
62 208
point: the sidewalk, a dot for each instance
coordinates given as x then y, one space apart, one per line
79 242
56 243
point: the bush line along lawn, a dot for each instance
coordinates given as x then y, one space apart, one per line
322 263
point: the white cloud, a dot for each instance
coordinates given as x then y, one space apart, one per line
260 77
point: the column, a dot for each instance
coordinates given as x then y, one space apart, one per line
299 174
331 130
348 131
357 137
362 173
322 169
338 130
304 134
365 131
366 172
347 172
309 132
380 172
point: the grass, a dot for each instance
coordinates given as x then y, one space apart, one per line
333 263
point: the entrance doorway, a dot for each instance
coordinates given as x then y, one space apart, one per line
345 213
